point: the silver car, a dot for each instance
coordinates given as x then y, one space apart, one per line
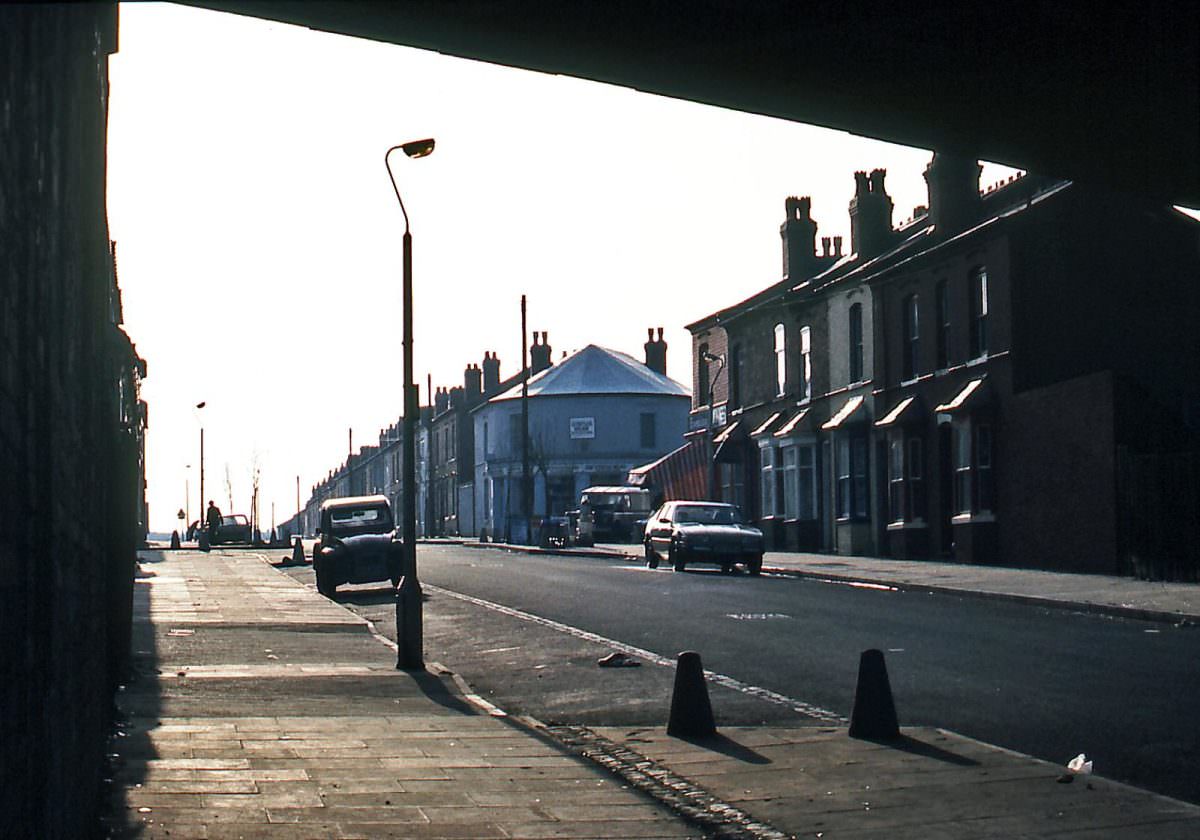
702 532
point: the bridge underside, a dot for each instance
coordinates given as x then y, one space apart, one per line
1096 92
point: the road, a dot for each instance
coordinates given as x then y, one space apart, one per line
526 631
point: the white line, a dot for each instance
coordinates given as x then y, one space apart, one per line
823 715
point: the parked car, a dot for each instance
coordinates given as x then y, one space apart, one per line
357 542
234 528
702 532
611 514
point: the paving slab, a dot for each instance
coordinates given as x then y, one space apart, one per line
262 709
817 781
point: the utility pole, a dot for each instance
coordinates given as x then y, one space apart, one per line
526 476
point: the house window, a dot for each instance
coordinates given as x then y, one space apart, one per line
702 381
851 471
856 343
648 431
767 470
896 480
780 360
906 500
912 335
983 467
786 484
735 376
515 430
486 453
943 325
915 498
979 313
805 366
806 482
973 489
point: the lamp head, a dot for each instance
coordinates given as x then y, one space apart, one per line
418 148
201 404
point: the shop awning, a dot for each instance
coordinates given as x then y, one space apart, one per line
765 427
791 425
898 412
963 398
848 410
680 474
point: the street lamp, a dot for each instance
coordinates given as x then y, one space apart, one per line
410 653
199 406
708 357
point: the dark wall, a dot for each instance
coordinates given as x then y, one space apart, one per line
68 444
1055 477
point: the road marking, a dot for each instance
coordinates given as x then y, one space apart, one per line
816 712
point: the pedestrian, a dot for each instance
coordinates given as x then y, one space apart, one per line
213 520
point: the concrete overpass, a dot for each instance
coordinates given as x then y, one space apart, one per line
1108 93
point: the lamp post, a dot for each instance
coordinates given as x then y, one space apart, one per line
712 412
410 653
199 406
187 497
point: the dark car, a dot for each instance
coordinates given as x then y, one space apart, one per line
702 532
356 543
234 529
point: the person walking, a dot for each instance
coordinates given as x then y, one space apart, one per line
212 520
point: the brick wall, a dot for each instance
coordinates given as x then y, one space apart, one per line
69 445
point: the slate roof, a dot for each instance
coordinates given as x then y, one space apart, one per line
597 370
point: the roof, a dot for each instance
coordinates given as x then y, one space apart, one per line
597 370
353 501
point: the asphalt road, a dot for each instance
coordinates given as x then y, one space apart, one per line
1044 682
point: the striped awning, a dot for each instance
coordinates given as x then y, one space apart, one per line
681 474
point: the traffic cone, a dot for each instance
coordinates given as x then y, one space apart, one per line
298 552
874 715
174 539
691 713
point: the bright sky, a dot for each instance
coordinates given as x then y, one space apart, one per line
258 237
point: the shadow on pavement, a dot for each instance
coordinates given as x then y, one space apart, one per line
370 597
433 687
727 746
908 744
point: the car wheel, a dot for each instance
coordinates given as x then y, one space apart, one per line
324 585
754 567
676 558
651 556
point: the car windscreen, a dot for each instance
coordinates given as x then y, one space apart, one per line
635 502
349 519
707 515
236 519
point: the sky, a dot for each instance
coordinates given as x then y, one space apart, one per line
259 239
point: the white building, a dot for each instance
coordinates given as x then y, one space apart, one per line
592 417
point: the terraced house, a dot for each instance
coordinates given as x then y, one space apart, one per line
994 380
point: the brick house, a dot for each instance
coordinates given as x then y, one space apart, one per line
987 381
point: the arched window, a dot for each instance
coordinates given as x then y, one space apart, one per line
856 343
943 325
780 360
804 369
979 312
912 338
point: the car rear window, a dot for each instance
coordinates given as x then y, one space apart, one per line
359 517
707 514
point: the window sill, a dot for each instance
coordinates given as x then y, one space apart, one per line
972 518
907 526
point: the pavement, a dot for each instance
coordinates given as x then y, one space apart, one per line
262 709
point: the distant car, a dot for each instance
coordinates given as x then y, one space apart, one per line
702 532
611 514
234 529
357 542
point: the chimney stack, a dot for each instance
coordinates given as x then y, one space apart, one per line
799 235
656 351
473 383
870 214
539 354
953 191
441 401
491 373
825 240
837 247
